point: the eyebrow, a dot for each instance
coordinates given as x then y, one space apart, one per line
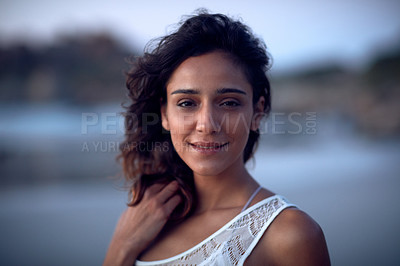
230 90
219 91
185 91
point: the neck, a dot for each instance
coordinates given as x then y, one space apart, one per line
216 192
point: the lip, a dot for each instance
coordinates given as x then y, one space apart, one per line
208 147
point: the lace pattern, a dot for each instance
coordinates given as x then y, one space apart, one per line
233 243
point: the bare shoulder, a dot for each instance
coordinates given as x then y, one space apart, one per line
294 238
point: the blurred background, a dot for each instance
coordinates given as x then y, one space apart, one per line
331 144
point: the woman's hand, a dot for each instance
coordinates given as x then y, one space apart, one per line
141 224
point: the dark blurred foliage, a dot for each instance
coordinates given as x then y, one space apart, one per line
384 74
81 69
369 98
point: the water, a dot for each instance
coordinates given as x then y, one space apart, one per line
350 187
58 206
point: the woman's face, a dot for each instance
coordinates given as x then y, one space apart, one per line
209 113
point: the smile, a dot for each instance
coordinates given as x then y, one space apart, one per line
208 147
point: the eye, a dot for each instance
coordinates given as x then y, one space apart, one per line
186 103
230 104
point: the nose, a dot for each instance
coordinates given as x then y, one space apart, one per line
207 120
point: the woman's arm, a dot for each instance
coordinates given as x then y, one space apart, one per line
140 224
294 238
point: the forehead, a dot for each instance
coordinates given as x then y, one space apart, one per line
214 70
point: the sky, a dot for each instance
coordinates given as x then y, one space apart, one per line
296 32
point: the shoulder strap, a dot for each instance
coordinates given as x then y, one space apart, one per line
251 198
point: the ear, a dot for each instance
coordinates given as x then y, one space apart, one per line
258 113
164 117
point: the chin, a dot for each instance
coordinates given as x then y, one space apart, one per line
207 169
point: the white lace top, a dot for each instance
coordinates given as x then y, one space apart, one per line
234 242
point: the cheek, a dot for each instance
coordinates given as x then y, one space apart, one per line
238 124
177 139
181 123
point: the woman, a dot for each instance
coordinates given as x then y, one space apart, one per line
197 101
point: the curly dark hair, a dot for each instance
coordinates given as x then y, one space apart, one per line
147 153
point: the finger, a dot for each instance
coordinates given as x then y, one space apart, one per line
154 189
168 191
171 204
